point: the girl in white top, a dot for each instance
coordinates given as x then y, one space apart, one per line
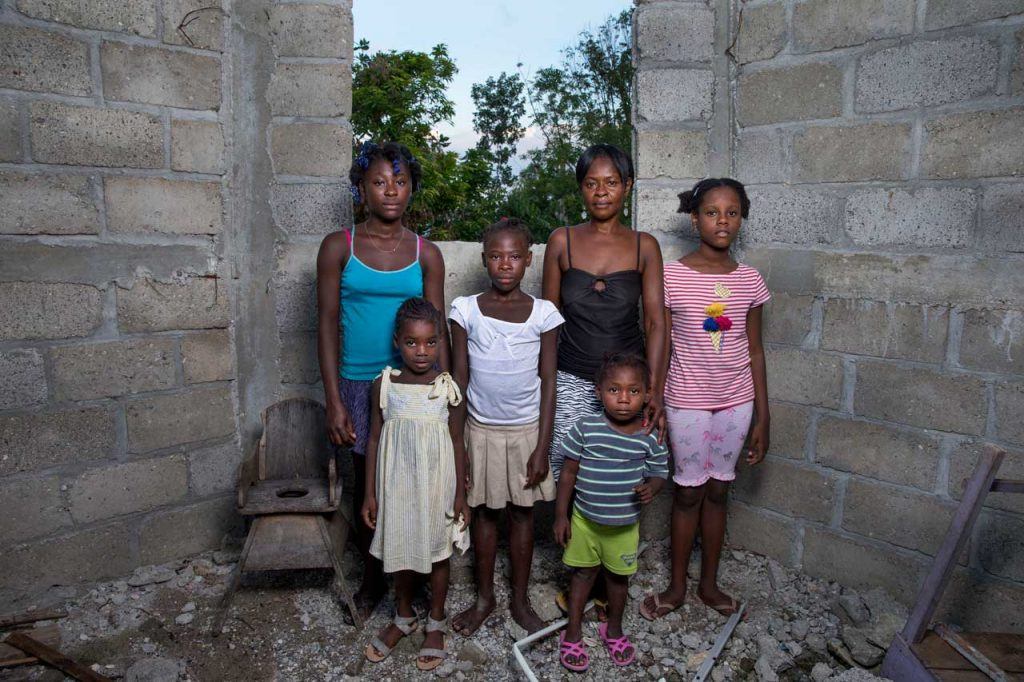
504 355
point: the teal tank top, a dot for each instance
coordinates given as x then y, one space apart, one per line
370 298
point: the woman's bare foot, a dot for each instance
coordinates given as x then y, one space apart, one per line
366 600
525 616
470 620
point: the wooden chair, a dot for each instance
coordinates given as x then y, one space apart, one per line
290 488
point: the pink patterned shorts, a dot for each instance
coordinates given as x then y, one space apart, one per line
707 444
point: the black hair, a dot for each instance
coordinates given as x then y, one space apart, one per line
689 201
619 159
418 309
617 360
513 225
391 151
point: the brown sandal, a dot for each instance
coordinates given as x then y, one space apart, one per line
726 609
658 606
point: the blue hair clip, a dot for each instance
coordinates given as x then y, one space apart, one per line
356 196
396 166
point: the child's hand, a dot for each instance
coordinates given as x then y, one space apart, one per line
536 468
563 532
758 443
645 492
462 509
369 512
340 429
467 465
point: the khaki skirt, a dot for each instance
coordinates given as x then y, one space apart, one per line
498 456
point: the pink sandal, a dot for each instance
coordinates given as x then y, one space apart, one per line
576 649
617 647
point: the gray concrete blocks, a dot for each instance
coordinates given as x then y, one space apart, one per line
881 452
945 13
826 24
993 341
754 530
789 429
787 318
99 263
929 216
32 508
154 75
962 461
657 207
675 32
22 379
911 520
185 531
42 311
761 157
215 469
786 213
323 90
311 208
1017 71
927 73
1002 218
311 31
295 305
1001 545
47 204
105 492
795 93
163 421
10 132
862 565
873 151
672 154
298 359
158 205
90 136
804 377
787 487
40 440
673 94
762 32
197 146
206 356
318 149
1009 408
43 62
114 368
885 330
978 144
197 303
921 397
195 23
124 16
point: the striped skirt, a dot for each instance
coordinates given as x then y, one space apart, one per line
574 398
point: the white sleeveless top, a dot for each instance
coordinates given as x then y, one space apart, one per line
504 387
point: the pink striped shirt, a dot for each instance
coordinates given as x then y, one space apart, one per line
699 376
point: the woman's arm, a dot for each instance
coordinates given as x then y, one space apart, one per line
457 414
432 263
329 263
551 282
656 330
370 495
759 433
537 467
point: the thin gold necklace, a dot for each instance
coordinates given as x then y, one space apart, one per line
374 237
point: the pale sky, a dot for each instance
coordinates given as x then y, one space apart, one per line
484 38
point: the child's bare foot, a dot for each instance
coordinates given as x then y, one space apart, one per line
655 606
717 600
366 600
470 620
525 616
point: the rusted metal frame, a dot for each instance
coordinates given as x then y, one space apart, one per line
971 653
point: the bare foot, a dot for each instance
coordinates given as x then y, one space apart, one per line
660 605
525 616
366 600
470 620
717 600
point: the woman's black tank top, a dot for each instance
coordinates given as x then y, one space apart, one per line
602 315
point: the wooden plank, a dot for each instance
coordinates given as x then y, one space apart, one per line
962 676
1005 649
54 658
901 663
970 652
31 617
1007 485
280 497
287 542
294 439
47 634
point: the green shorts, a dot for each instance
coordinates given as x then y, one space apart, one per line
595 544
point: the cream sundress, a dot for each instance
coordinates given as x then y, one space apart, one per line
415 474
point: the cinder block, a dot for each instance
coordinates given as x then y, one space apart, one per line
1009 408
46 439
295 304
751 529
311 208
961 465
657 210
929 216
165 420
43 62
927 73
788 429
944 13
83 556
885 330
214 470
318 149
1000 548
154 75
875 151
795 93
114 368
861 565
987 606
197 146
787 318
124 16
298 359
32 509
762 33
47 204
827 24
920 397
196 23
104 492
22 379
96 263
993 341
1002 218
974 145
675 32
88 136
674 94
787 487
761 157
804 377
1017 72
206 356
155 205
783 213
311 31
876 451
10 134
198 303
675 154
166 536
881 512
310 90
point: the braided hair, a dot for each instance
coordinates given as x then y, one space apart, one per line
417 309
397 154
513 226
690 200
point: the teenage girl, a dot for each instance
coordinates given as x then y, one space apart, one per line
366 273
715 386
415 483
503 348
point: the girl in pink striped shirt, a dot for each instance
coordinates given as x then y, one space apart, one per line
715 391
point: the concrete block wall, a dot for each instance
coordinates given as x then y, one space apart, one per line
881 143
